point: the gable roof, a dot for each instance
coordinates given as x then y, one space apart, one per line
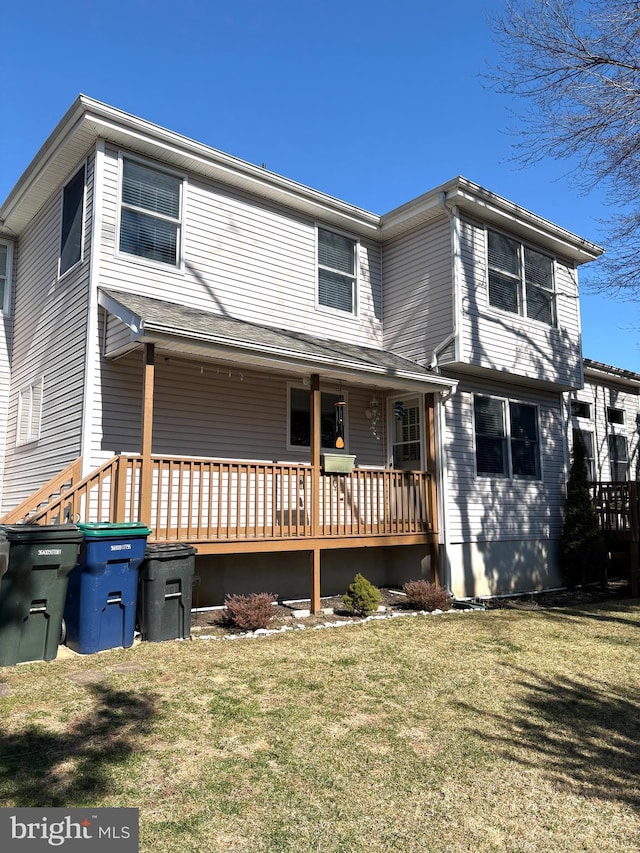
88 120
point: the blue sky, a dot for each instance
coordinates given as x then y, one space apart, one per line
372 102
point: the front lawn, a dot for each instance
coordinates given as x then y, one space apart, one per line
507 730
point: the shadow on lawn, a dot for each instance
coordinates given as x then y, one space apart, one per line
582 734
41 768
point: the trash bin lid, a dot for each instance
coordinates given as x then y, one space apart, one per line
112 530
168 550
42 532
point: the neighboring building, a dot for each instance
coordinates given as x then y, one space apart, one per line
213 341
606 413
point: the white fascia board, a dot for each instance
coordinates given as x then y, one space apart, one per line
133 322
214 346
600 372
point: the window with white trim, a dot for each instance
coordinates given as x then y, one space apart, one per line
337 279
151 213
580 409
300 418
506 437
520 279
30 412
587 442
615 416
618 457
6 262
71 231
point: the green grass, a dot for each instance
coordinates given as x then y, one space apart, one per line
508 730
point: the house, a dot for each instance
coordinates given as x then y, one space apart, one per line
299 387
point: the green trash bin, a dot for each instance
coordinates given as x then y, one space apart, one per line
33 589
165 584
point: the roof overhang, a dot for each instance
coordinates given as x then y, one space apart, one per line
196 334
88 120
600 372
486 206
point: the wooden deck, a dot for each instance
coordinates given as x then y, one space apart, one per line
618 510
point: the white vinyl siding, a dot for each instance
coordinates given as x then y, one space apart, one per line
49 328
204 410
418 297
244 258
484 509
510 343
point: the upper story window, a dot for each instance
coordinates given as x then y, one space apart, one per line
520 279
337 278
151 213
6 261
71 232
615 416
580 409
507 438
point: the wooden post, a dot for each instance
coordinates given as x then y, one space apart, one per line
315 412
432 508
146 473
634 544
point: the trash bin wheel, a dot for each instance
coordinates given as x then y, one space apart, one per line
63 632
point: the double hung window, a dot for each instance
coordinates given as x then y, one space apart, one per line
507 438
587 442
520 279
618 457
337 278
151 213
6 260
71 232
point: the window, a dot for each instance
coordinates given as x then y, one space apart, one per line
300 418
580 409
29 412
520 279
615 416
407 442
506 434
618 457
336 271
150 218
71 233
6 260
587 442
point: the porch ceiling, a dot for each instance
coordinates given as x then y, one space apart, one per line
190 332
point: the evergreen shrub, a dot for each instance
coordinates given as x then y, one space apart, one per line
362 597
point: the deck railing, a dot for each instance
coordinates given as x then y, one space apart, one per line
213 500
618 508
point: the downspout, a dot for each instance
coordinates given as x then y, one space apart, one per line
455 296
91 331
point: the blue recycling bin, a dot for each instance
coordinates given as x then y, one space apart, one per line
100 609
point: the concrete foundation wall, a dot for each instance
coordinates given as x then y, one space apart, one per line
508 566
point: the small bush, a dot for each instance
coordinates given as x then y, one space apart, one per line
362 597
249 612
426 596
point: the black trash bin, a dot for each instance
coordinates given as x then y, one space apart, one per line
165 584
33 589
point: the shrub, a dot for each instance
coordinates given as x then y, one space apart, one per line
583 552
427 596
249 612
362 597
